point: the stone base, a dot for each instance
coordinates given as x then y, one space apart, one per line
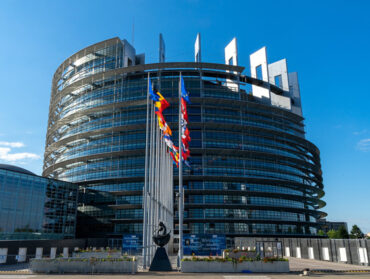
160 261
82 266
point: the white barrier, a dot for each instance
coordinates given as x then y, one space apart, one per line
325 254
22 255
299 255
363 255
39 251
65 252
3 255
287 252
311 255
53 252
342 254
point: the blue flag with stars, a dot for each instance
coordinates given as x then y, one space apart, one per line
184 93
152 95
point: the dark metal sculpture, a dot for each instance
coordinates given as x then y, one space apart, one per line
161 238
160 261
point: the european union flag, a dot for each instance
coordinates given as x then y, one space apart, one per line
152 95
184 93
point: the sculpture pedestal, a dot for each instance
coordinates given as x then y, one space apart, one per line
160 261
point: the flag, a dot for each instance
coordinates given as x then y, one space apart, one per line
168 141
174 159
187 163
184 93
185 155
184 110
152 95
186 137
166 129
161 121
163 124
162 103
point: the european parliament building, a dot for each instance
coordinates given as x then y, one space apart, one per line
252 170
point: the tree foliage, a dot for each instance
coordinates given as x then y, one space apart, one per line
333 234
341 233
321 233
356 232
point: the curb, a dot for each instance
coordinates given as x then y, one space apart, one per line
339 271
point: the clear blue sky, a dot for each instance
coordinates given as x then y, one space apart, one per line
326 42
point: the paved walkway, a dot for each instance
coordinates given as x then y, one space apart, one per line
15 268
322 269
300 264
172 275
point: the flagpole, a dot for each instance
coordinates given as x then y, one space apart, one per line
180 201
145 190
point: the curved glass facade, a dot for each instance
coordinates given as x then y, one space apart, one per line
253 172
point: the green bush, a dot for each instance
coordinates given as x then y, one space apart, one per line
228 259
91 260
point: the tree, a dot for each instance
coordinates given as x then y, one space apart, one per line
333 234
321 233
342 233
356 232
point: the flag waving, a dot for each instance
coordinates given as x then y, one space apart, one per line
184 93
160 104
185 134
153 96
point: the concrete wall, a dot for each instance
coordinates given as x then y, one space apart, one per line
353 248
13 247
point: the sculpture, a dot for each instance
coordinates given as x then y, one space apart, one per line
161 238
160 261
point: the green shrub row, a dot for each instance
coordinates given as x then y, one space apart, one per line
228 259
91 260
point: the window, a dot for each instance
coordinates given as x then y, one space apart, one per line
278 81
259 72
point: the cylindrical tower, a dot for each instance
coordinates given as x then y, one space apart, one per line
253 172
